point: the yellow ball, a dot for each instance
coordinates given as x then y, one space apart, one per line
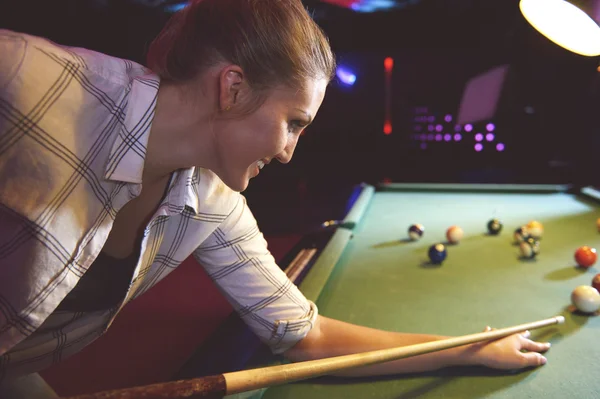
535 228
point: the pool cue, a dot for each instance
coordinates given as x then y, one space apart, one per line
308 254
218 386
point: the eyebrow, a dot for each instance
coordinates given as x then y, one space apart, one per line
308 116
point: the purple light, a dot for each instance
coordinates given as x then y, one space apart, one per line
468 127
423 146
423 136
499 147
432 118
447 137
478 137
448 118
418 128
490 127
489 137
430 137
438 137
478 147
457 128
457 137
430 128
438 128
345 75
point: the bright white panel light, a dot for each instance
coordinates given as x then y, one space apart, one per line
564 24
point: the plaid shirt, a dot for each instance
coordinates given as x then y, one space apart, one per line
74 125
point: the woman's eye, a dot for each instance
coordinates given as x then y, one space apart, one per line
296 126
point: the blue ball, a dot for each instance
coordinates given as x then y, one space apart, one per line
437 253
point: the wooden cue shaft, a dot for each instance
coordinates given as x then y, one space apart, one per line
297 271
242 381
218 386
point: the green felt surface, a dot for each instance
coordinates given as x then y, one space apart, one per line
384 282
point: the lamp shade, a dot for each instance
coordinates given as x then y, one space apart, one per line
573 24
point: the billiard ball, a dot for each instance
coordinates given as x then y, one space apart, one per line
437 253
535 229
530 248
596 282
454 234
416 231
585 256
521 234
586 299
494 227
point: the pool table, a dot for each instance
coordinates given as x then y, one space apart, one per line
371 274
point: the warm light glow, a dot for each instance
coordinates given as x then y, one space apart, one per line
387 128
564 24
388 63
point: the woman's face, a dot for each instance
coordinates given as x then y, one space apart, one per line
246 145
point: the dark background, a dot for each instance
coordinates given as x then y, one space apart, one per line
547 113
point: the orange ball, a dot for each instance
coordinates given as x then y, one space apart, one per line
454 234
596 282
586 256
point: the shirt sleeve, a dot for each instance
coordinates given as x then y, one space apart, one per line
237 259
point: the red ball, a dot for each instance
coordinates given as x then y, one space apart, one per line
596 282
586 256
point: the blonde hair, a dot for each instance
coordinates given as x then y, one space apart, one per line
275 42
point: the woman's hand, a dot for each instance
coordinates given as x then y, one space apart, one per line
512 352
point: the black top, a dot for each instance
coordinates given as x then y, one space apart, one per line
103 286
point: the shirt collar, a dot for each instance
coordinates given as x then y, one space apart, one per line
126 159
128 153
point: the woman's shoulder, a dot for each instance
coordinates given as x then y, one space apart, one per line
25 50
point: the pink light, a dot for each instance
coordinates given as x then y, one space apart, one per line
448 118
490 127
478 137
438 137
468 127
447 137
457 137
478 147
489 137
499 147
439 128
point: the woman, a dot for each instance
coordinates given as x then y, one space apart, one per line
112 174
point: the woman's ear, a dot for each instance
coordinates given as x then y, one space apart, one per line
231 80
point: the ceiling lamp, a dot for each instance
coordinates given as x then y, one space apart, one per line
572 24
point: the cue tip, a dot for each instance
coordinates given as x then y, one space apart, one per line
560 319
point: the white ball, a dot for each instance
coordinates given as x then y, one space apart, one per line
454 234
586 298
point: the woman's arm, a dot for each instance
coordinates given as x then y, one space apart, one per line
331 337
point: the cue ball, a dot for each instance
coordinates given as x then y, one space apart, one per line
437 253
416 231
586 256
535 229
530 248
454 234
596 282
521 234
494 226
586 299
